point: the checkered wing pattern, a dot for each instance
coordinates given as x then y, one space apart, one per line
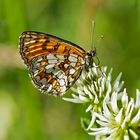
54 64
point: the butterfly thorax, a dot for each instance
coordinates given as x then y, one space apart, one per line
89 59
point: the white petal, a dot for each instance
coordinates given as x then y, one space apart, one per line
75 96
124 99
80 92
89 108
74 89
133 134
101 123
94 69
93 90
126 137
109 75
72 100
100 117
108 86
75 99
128 112
136 119
114 105
103 83
130 108
104 69
137 99
117 86
100 92
92 121
107 113
96 86
119 116
84 99
96 101
99 131
88 92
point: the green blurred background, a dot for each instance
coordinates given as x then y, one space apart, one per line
25 114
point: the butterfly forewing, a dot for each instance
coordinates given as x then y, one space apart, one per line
54 64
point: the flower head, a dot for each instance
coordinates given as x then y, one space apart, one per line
120 122
94 87
113 114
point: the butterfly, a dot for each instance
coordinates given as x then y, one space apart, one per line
54 64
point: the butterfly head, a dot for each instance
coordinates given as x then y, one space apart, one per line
92 53
90 59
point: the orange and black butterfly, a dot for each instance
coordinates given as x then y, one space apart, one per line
54 64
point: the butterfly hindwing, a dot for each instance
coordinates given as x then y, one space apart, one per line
53 75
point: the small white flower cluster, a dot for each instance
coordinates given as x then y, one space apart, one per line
113 115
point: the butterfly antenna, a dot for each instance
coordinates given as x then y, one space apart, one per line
98 60
93 47
92 33
99 39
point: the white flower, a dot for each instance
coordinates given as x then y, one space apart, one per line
93 87
113 115
122 123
